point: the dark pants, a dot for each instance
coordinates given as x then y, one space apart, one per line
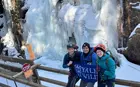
108 83
72 80
86 84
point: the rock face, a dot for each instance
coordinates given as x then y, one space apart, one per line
130 20
135 18
133 51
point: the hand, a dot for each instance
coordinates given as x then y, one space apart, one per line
102 71
70 63
97 68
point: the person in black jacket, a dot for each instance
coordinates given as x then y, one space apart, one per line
69 59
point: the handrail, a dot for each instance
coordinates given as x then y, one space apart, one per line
118 81
21 81
53 81
53 70
16 60
64 72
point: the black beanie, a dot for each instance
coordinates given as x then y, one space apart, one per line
86 44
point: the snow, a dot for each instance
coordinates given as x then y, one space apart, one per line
122 48
94 22
83 21
90 24
11 63
133 32
136 7
8 39
78 20
86 2
128 71
54 64
49 33
42 32
11 83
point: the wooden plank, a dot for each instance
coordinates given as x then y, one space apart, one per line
20 73
11 68
21 81
16 69
54 81
53 70
128 83
3 85
21 61
16 60
36 75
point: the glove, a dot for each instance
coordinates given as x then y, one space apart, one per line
101 74
102 71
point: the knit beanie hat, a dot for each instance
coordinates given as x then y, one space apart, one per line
86 44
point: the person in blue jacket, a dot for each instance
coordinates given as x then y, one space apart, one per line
106 67
88 57
73 56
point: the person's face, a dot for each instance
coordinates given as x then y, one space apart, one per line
85 49
100 53
70 51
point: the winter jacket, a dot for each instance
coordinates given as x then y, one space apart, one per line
107 67
75 59
90 59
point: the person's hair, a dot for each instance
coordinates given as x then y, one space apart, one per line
86 44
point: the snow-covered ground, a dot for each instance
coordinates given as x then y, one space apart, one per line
11 83
11 63
127 71
49 32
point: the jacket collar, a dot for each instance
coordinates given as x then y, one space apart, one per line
104 57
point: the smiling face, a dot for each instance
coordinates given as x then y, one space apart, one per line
85 49
70 51
100 53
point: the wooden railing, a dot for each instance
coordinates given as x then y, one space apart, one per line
40 78
118 81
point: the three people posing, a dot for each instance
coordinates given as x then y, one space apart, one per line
95 57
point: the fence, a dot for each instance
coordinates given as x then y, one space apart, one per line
38 78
